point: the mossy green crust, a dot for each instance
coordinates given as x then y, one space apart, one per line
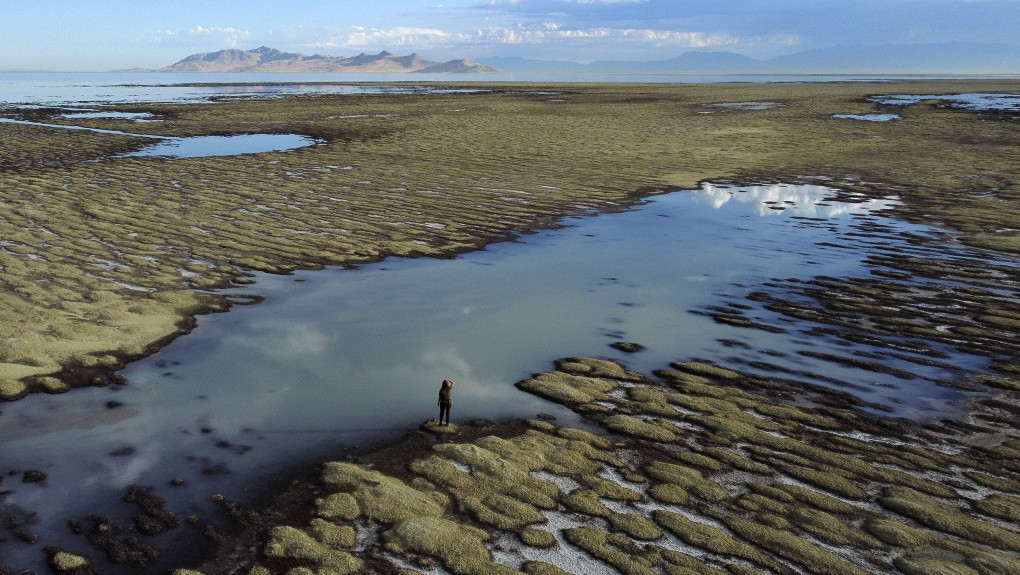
714 539
295 544
930 512
379 497
538 538
1002 506
602 547
793 548
568 389
111 256
640 428
460 548
106 261
867 506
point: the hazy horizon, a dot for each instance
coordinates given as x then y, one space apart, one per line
60 35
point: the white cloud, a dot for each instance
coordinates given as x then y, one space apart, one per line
357 37
203 36
226 36
549 33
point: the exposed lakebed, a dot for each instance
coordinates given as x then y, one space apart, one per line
198 146
336 358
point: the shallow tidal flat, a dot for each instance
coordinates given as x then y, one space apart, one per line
104 258
700 470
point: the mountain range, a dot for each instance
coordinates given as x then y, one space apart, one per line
272 60
946 59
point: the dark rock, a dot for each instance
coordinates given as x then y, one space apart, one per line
627 347
33 476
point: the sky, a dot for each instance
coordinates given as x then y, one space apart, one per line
86 35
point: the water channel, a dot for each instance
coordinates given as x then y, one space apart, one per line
339 358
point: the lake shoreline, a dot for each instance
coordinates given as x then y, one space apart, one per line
297 504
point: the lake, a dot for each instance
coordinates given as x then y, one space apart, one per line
338 358
101 88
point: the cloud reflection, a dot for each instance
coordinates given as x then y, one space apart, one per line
282 340
799 200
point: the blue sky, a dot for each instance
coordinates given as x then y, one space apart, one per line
83 35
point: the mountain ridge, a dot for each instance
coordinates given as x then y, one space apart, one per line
265 59
946 58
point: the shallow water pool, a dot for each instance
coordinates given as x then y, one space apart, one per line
234 145
338 358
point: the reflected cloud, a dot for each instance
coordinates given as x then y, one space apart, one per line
799 200
450 361
283 340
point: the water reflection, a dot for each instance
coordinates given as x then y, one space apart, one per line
977 102
337 357
196 146
802 200
111 115
206 146
868 117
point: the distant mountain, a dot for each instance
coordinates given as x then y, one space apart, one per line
272 60
949 58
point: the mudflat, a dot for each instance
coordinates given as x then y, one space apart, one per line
105 259
696 468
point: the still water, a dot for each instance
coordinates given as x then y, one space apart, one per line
338 358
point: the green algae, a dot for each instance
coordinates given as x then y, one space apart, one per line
688 479
337 506
379 497
714 539
587 502
78 221
932 566
542 568
568 389
894 519
460 548
818 499
737 461
641 428
594 367
332 535
669 493
826 526
1002 506
930 512
601 546
538 538
62 561
706 370
290 543
791 547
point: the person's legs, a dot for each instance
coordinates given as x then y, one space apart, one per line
444 410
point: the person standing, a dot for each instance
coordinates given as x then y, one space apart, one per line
445 401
